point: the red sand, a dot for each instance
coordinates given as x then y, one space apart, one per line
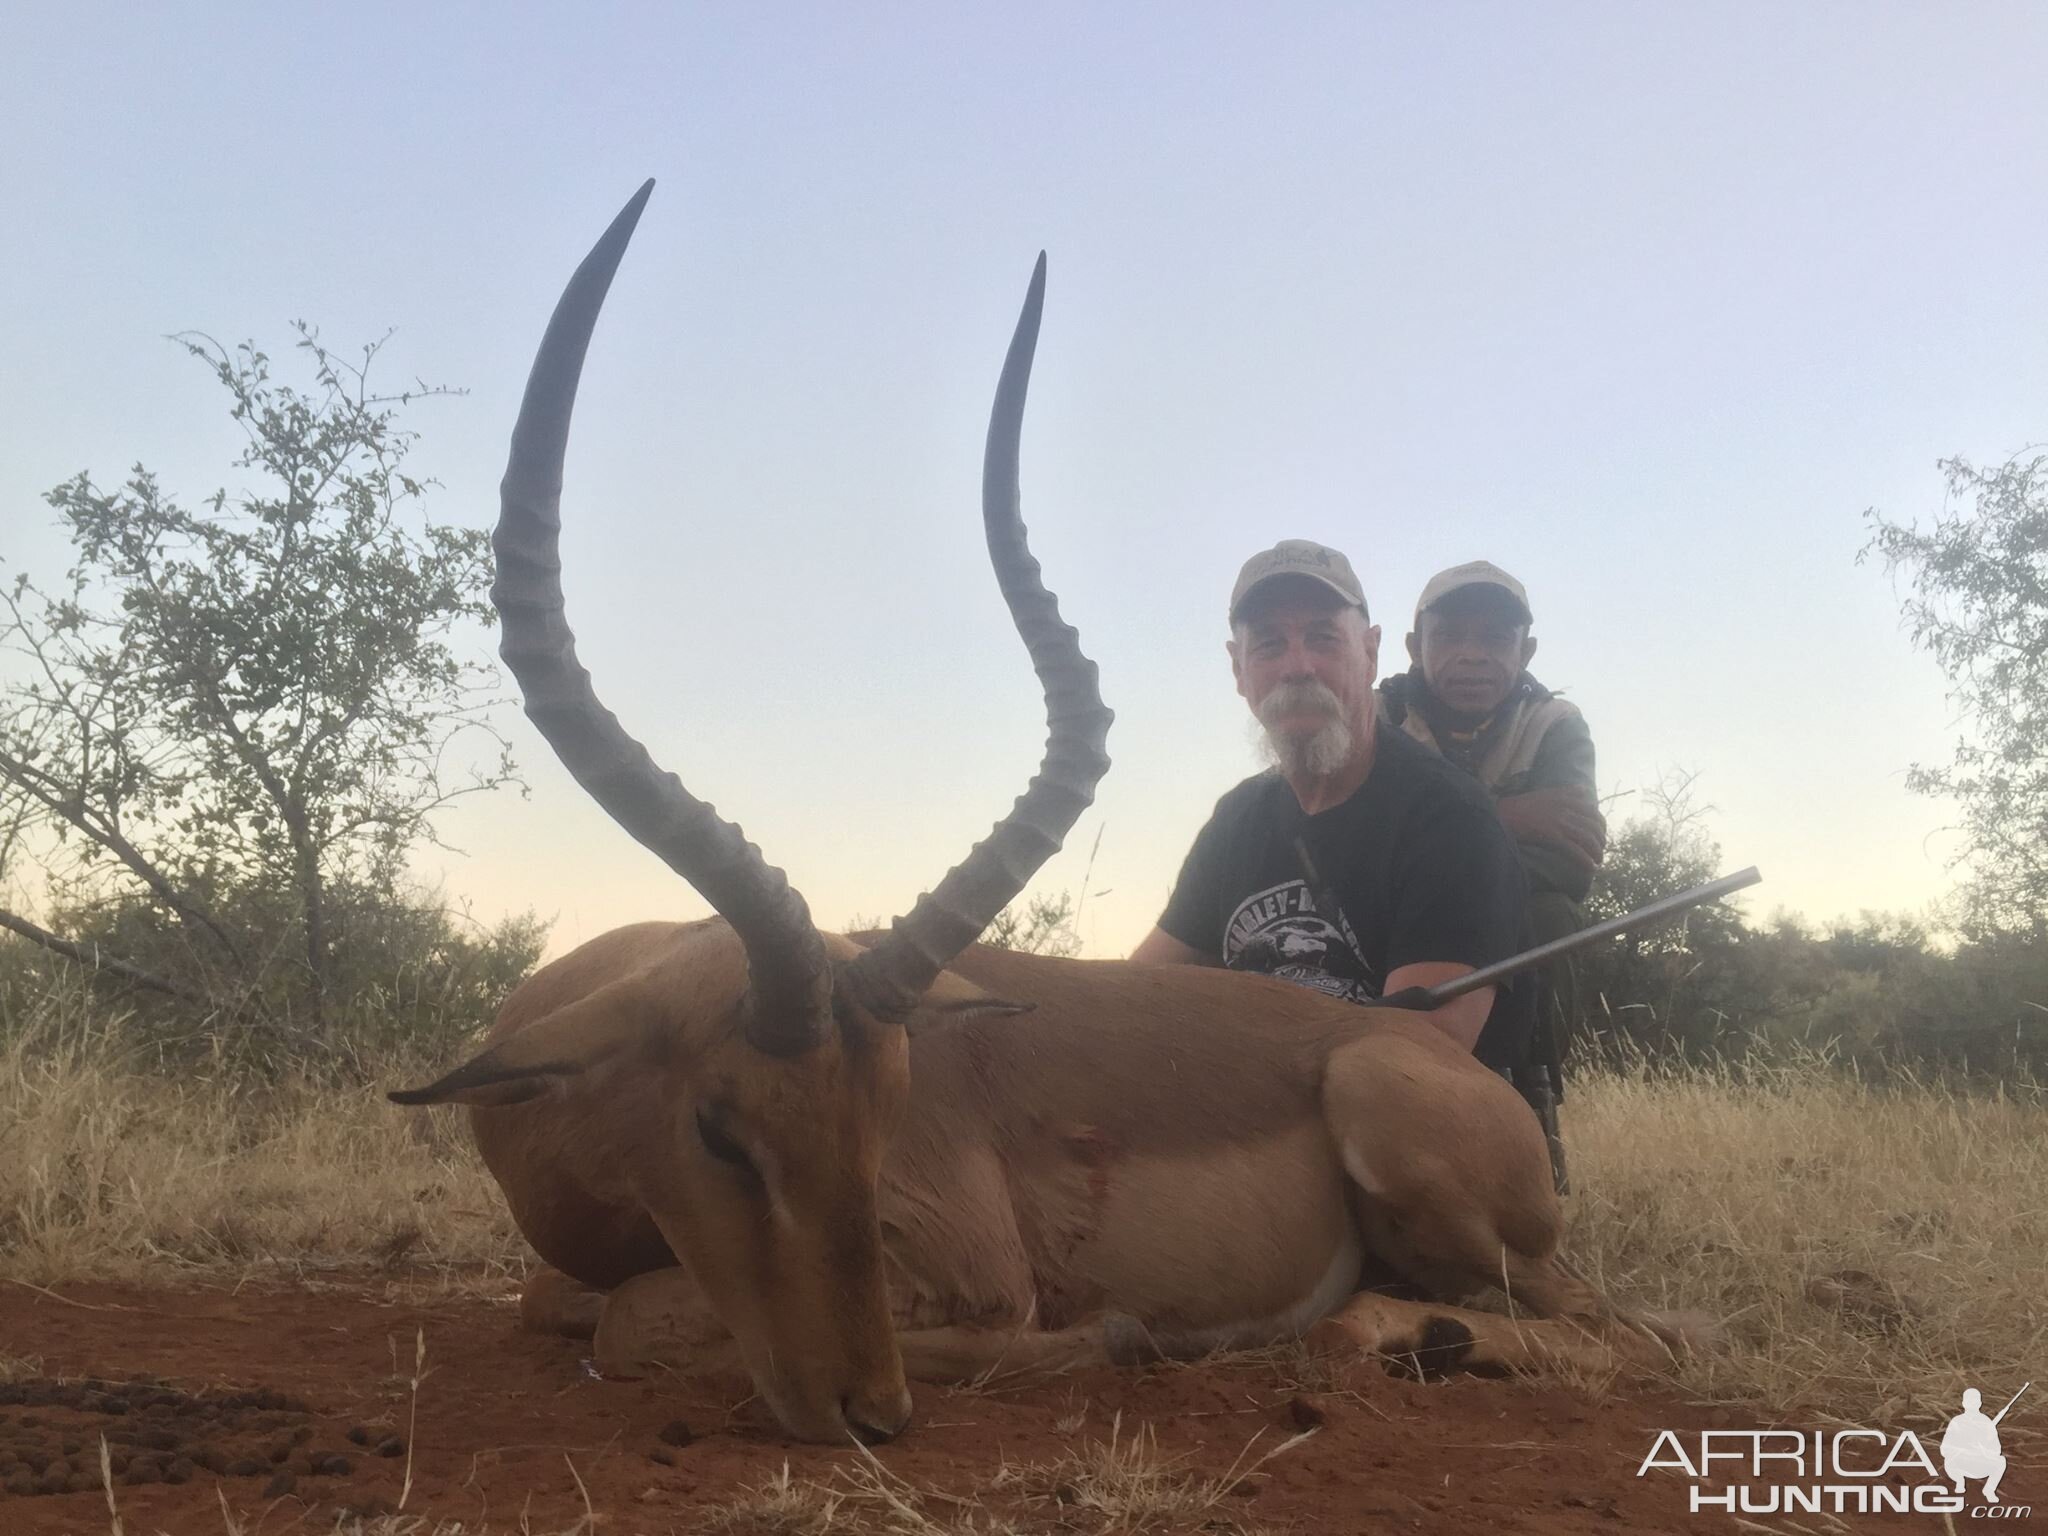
500 1411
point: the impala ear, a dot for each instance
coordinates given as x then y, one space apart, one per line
952 998
552 1050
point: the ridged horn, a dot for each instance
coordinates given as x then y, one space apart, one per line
790 987
894 974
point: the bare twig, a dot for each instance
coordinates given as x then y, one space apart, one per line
83 1306
107 1482
412 1418
95 960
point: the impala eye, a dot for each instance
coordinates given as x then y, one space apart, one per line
720 1145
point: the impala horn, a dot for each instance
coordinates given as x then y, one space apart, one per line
789 993
893 975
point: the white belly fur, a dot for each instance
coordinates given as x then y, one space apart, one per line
1229 1251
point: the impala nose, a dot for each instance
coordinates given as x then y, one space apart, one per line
873 1424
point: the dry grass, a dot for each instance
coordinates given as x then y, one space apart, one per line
864 1497
355 1525
18 1368
1874 1247
419 1525
1122 1483
365 1525
1127 1484
111 1172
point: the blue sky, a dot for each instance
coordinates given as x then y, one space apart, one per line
1645 303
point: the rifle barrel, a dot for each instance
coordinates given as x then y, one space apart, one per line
2008 1407
1443 992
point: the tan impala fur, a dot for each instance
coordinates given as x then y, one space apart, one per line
846 1163
1151 1160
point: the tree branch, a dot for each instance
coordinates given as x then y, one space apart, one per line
137 863
94 960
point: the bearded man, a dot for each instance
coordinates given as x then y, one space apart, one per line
1362 863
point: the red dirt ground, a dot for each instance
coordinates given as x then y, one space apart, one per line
503 1415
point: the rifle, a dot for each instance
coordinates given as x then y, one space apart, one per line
1422 999
2008 1407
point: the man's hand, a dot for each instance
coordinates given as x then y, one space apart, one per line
1564 815
1462 1018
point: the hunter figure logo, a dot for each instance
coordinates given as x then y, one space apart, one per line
1844 1471
1969 1446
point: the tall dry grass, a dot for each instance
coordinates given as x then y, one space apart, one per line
115 1168
1874 1246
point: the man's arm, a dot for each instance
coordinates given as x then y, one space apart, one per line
1459 903
1191 906
1161 948
1462 1018
1554 812
1562 816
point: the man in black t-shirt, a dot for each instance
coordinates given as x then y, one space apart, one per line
1364 864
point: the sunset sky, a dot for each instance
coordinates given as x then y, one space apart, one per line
1646 303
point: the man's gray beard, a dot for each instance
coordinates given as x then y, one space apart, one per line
1322 751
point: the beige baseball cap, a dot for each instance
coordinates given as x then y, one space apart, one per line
1297 557
1473 573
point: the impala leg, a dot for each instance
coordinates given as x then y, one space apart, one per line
1453 1253
553 1303
659 1321
1435 1339
1470 1211
963 1354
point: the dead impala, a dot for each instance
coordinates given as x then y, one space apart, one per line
919 1158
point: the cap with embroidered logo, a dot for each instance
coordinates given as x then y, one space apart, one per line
1297 557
